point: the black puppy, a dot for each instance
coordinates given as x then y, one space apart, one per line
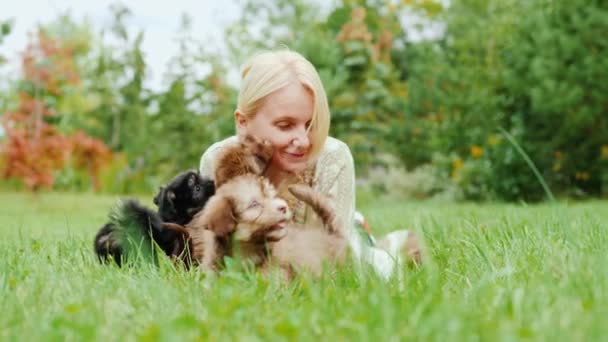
130 222
183 197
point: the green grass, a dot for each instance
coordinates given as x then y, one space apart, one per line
495 272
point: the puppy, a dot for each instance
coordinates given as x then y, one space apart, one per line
247 200
106 245
251 156
248 155
308 248
184 196
246 217
178 201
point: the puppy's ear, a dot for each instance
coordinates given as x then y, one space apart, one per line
170 196
192 180
259 153
264 151
158 196
248 139
220 215
260 148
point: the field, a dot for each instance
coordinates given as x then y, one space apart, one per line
495 272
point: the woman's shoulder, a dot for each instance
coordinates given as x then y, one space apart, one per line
220 144
211 152
207 162
335 159
334 148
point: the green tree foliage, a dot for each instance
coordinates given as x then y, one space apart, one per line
523 66
119 72
351 49
194 111
557 90
153 134
535 69
37 145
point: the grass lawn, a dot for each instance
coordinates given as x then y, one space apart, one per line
496 272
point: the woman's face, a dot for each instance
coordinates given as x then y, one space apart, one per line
283 120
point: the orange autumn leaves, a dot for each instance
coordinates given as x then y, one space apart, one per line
35 149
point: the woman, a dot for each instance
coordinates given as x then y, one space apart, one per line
282 101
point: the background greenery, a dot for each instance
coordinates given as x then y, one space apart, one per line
424 118
431 118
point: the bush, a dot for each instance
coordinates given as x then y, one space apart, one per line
392 180
536 69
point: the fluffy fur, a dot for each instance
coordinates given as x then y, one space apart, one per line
309 248
184 196
248 201
134 228
244 157
246 217
403 243
106 246
251 156
131 222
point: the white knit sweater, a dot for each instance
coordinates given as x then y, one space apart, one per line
334 176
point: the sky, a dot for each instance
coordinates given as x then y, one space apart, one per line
158 19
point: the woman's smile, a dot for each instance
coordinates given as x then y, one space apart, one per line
284 120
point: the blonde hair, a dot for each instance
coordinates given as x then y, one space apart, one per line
270 71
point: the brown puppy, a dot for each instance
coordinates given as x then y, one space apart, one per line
247 156
208 233
246 217
243 214
308 248
250 156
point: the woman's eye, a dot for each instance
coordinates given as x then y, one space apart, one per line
284 126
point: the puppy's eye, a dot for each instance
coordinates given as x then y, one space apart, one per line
253 204
197 188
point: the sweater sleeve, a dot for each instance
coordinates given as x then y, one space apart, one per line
335 177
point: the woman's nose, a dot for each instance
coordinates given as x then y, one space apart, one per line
301 139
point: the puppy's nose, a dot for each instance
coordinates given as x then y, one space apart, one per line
282 208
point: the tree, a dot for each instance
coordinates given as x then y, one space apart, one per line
35 148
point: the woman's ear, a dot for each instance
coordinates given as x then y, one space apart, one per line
241 121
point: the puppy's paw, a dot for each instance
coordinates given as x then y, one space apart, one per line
301 191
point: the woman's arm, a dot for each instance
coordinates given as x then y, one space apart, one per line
206 167
335 175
